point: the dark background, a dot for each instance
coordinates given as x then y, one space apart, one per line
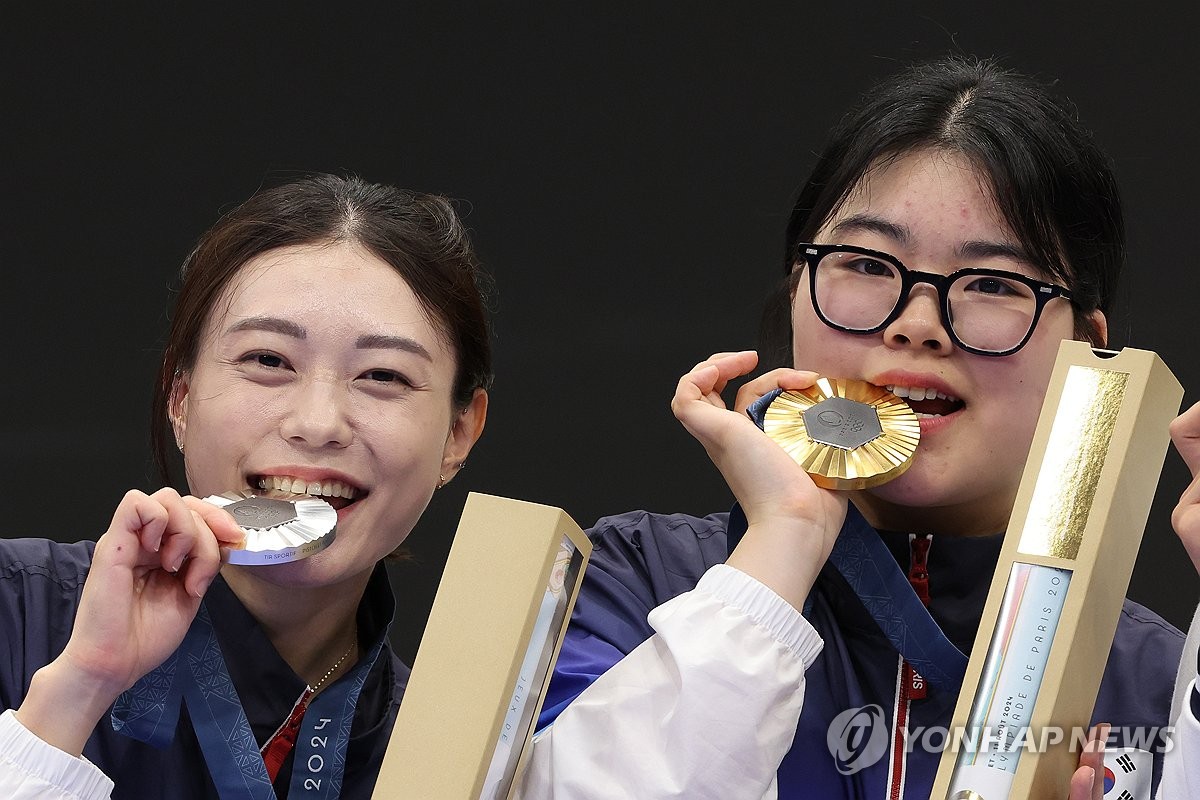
628 173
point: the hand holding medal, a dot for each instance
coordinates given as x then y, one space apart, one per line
148 574
792 522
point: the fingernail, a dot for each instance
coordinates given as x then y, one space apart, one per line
199 593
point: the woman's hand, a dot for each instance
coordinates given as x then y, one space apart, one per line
1088 781
148 573
792 523
1185 433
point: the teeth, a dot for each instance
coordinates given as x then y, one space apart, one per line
926 416
288 483
919 393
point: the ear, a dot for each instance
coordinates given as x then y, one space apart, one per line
1098 328
177 407
465 429
793 281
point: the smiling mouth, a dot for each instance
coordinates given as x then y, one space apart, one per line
926 402
337 493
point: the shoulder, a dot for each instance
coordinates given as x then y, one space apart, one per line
64 565
1140 675
666 535
669 551
40 585
639 561
1140 627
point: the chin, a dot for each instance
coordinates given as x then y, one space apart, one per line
906 500
315 571
916 487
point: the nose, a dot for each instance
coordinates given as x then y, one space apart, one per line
318 417
919 323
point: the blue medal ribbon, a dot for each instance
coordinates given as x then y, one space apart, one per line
196 675
872 572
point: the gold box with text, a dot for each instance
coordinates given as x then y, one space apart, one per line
487 653
1076 526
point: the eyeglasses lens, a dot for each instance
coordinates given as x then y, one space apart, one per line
987 312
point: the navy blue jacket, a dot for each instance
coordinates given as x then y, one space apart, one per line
40 586
866 612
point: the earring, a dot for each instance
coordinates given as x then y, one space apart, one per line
441 482
461 465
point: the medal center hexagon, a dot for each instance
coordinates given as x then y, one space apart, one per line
842 423
261 513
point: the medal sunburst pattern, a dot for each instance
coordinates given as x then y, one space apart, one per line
309 530
831 467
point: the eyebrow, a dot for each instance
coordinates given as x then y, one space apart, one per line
973 250
269 324
378 341
871 223
373 341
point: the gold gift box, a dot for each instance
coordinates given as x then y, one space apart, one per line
487 653
1081 506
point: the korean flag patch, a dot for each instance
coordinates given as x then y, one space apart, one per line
1127 773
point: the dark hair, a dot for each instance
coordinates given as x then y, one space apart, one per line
1052 184
419 235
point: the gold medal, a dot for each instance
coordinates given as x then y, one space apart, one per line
846 434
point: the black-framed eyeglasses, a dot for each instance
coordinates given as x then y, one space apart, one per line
988 312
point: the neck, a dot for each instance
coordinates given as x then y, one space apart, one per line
969 520
310 627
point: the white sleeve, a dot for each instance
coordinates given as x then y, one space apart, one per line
1181 765
1183 681
31 768
705 708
